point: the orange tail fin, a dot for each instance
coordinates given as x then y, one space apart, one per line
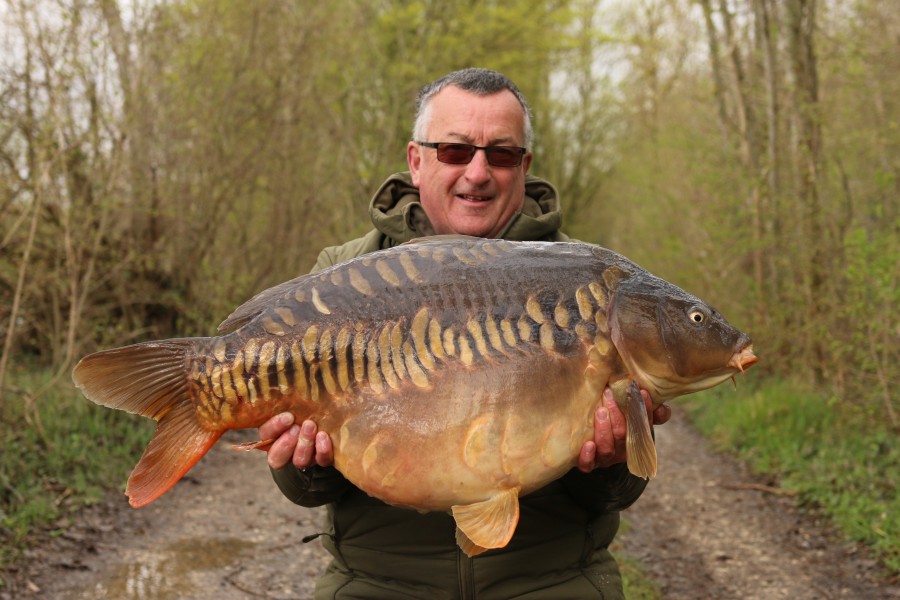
151 380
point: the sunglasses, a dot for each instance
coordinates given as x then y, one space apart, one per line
453 153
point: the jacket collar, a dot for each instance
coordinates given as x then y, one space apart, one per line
395 211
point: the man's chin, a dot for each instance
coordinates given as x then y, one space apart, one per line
482 232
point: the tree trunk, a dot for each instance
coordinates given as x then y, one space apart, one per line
806 117
770 202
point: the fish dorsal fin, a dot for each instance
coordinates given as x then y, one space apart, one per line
245 313
639 446
488 524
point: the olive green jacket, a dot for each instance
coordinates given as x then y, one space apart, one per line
398 218
560 548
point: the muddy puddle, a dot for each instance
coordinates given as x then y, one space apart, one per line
185 568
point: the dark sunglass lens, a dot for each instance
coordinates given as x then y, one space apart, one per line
503 157
455 154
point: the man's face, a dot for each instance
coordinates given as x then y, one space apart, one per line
474 199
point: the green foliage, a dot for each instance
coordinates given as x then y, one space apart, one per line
59 454
638 585
867 342
635 581
835 456
792 235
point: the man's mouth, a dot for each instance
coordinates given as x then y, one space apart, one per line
471 198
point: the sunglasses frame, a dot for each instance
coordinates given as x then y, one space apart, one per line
488 151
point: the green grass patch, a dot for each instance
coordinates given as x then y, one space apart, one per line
637 583
59 453
835 455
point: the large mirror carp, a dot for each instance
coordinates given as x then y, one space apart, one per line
452 374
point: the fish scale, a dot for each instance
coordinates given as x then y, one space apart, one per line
452 374
477 292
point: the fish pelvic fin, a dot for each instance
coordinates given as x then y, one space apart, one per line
639 445
151 380
488 524
263 445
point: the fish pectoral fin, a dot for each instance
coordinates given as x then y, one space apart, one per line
639 445
257 445
488 524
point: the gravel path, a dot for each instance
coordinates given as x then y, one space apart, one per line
705 528
226 533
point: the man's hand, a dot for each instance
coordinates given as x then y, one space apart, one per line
608 446
301 444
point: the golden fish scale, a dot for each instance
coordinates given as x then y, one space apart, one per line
381 352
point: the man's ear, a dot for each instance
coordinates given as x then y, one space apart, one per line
526 160
414 160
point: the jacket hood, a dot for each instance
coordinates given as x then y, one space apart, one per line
396 212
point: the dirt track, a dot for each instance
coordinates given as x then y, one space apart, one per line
225 532
705 528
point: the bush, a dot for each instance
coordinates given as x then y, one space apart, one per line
60 453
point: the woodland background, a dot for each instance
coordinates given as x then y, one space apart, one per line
161 162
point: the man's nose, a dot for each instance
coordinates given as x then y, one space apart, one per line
478 170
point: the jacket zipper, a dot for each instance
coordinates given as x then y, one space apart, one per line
466 574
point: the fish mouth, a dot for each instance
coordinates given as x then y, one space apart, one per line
743 359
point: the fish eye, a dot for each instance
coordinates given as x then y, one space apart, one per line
696 316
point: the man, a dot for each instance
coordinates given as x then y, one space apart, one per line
468 164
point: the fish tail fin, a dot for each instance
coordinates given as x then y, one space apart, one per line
639 445
151 380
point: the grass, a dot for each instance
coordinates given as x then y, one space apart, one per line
638 585
835 455
60 453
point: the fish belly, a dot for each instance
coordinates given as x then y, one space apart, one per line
518 423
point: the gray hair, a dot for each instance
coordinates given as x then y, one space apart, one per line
481 82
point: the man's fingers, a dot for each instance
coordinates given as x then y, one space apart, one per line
608 447
609 433
616 421
324 450
281 429
305 445
275 426
662 414
586 457
282 449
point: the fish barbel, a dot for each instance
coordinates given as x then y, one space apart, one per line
452 374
